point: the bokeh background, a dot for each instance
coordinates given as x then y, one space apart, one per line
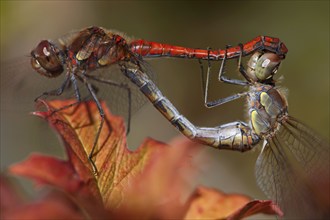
302 25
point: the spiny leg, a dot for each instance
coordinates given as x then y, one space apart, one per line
76 92
202 76
55 92
206 87
59 91
210 104
225 79
205 83
240 66
98 104
120 85
81 79
75 87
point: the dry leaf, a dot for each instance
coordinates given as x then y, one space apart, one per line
124 175
146 183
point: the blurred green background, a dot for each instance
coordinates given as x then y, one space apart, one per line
302 25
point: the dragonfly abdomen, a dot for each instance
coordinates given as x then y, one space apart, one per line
232 136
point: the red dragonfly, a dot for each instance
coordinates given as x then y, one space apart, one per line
261 43
89 49
92 48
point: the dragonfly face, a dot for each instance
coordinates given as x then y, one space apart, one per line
47 59
263 66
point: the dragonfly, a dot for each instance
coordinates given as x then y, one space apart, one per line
150 49
93 48
293 166
293 160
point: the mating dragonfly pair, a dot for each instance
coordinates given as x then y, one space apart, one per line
293 163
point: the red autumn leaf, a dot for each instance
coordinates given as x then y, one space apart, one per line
48 170
56 172
158 191
54 205
121 171
256 207
146 183
9 195
208 203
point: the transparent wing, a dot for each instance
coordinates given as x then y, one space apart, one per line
116 96
21 84
293 170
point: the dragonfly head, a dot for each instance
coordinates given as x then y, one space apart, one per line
47 59
263 66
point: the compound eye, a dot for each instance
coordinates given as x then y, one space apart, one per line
267 66
45 59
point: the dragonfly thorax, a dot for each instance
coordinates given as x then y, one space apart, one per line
267 109
85 50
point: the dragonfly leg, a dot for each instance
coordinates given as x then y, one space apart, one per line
240 66
120 85
210 104
202 77
225 79
101 111
55 92
59 91
75 87
205 83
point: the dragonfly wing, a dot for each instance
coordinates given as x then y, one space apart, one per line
309 149
20 85
116 96
293 170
